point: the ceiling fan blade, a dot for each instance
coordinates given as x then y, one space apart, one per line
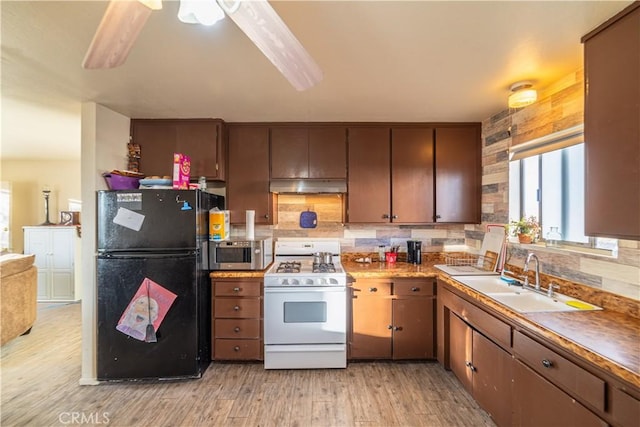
265 28
116 34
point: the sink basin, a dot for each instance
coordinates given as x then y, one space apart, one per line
522 300
529 302
488 284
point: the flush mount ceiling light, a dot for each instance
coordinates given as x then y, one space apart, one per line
522 95
123 20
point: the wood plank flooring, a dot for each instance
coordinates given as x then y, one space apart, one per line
39 376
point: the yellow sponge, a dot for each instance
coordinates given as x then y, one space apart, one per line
579 305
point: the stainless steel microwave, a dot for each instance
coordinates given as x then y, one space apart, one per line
237 254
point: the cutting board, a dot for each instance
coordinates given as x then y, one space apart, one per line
492 242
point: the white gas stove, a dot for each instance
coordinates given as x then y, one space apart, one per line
305 306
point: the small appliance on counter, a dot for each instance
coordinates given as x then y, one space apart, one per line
414 252
240 254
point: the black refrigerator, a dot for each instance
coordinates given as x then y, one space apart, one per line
151 269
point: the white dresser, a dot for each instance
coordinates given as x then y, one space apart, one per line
55 249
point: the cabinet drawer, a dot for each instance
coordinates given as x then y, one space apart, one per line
236 328
236 349
371 287
560 371
237 307
236 288
417 288
490 326
624 408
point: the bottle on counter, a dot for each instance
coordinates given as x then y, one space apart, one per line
381 253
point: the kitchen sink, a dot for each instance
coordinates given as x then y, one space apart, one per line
523 300
487 284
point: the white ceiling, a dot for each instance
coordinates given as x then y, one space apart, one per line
382 61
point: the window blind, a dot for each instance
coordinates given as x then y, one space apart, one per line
554 141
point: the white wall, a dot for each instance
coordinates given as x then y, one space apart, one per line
105 134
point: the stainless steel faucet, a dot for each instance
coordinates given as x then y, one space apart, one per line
526 270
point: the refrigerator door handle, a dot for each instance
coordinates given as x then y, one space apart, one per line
147 254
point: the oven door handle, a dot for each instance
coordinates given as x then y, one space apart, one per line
280 290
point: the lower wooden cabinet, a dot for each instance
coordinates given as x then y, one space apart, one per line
392 319
237 319
483 368
537 402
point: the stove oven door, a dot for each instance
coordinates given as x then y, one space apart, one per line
305 315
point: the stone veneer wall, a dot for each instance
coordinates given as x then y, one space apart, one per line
560 107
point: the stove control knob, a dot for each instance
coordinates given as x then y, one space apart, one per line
308 282
295 282
285 281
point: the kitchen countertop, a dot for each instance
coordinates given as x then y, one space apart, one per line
606 338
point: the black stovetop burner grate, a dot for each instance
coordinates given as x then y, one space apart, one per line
324 268
289 267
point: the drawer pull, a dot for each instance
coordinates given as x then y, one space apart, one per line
236 348
236 308
236 289
414 289
236 329
547 363
373 289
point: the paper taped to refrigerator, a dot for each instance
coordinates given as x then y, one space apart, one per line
149 304
128 218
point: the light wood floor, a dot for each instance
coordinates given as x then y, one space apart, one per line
39 387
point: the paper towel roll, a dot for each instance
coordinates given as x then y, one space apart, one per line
250 224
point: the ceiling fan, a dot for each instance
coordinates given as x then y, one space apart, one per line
123 20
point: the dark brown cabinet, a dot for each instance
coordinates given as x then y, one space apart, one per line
414 175
237 319
317 152
390 175
483 368
537 402
458 174
248 175
612 127
369 182
201 139
412 165
393 319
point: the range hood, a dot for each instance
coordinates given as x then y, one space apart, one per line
309 186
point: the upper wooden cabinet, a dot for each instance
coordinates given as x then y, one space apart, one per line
458 174
414 174
369 182
200 139
248 175
612 127
308 152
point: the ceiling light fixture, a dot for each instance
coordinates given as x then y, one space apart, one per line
205 12
522 94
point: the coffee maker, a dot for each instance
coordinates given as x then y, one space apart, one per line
414 252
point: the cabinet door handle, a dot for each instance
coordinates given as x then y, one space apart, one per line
236 348
438 217
547 363
236 308
266 216
236 329
415 289
394 216
373 289
470 366
385 216
390 327
397 328
236 289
